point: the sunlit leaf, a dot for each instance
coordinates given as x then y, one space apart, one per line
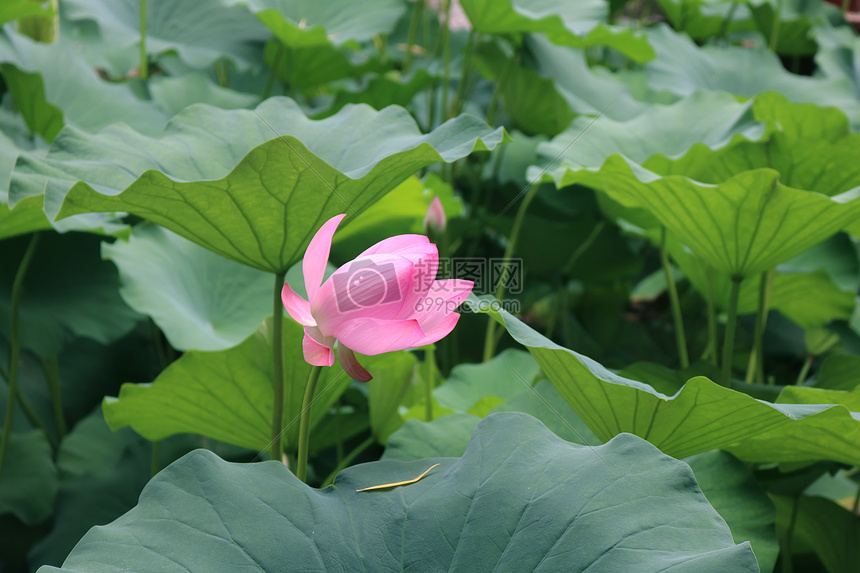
28 482
701 416
256 200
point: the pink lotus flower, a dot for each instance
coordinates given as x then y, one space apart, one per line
386 299
435 219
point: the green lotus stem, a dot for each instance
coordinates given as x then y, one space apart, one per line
731 324
144 61
785 550
755 368
713 350
305 424
446 59
15 345
52 376
348 460
278 381
856 504
412 34
804 370
727 21
558 307
34 418
674 301
490 337
774 33
154 464
221 72
430 362
845 5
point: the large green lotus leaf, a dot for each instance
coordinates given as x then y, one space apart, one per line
669 130
308 23
683 68
822 526
27 216
173 94
839 372
545 403
806 395
201 300
226 395
449 434
531 100
742 226
209 31
53 86
68 291
812 147
575 24
701 416
477 388
263 212
28 480
519 499
586 90
734 492
14 9
445 437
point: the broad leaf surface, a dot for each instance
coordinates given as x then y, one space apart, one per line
28 482
263 212
68 291
209 31
199 299
14 9
502 378
445 437
669 130
54 87
811 147
308 23
734 492
682 67
742 226
531 100
701 416
574 24
480 512
226 395
839 372
825 528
